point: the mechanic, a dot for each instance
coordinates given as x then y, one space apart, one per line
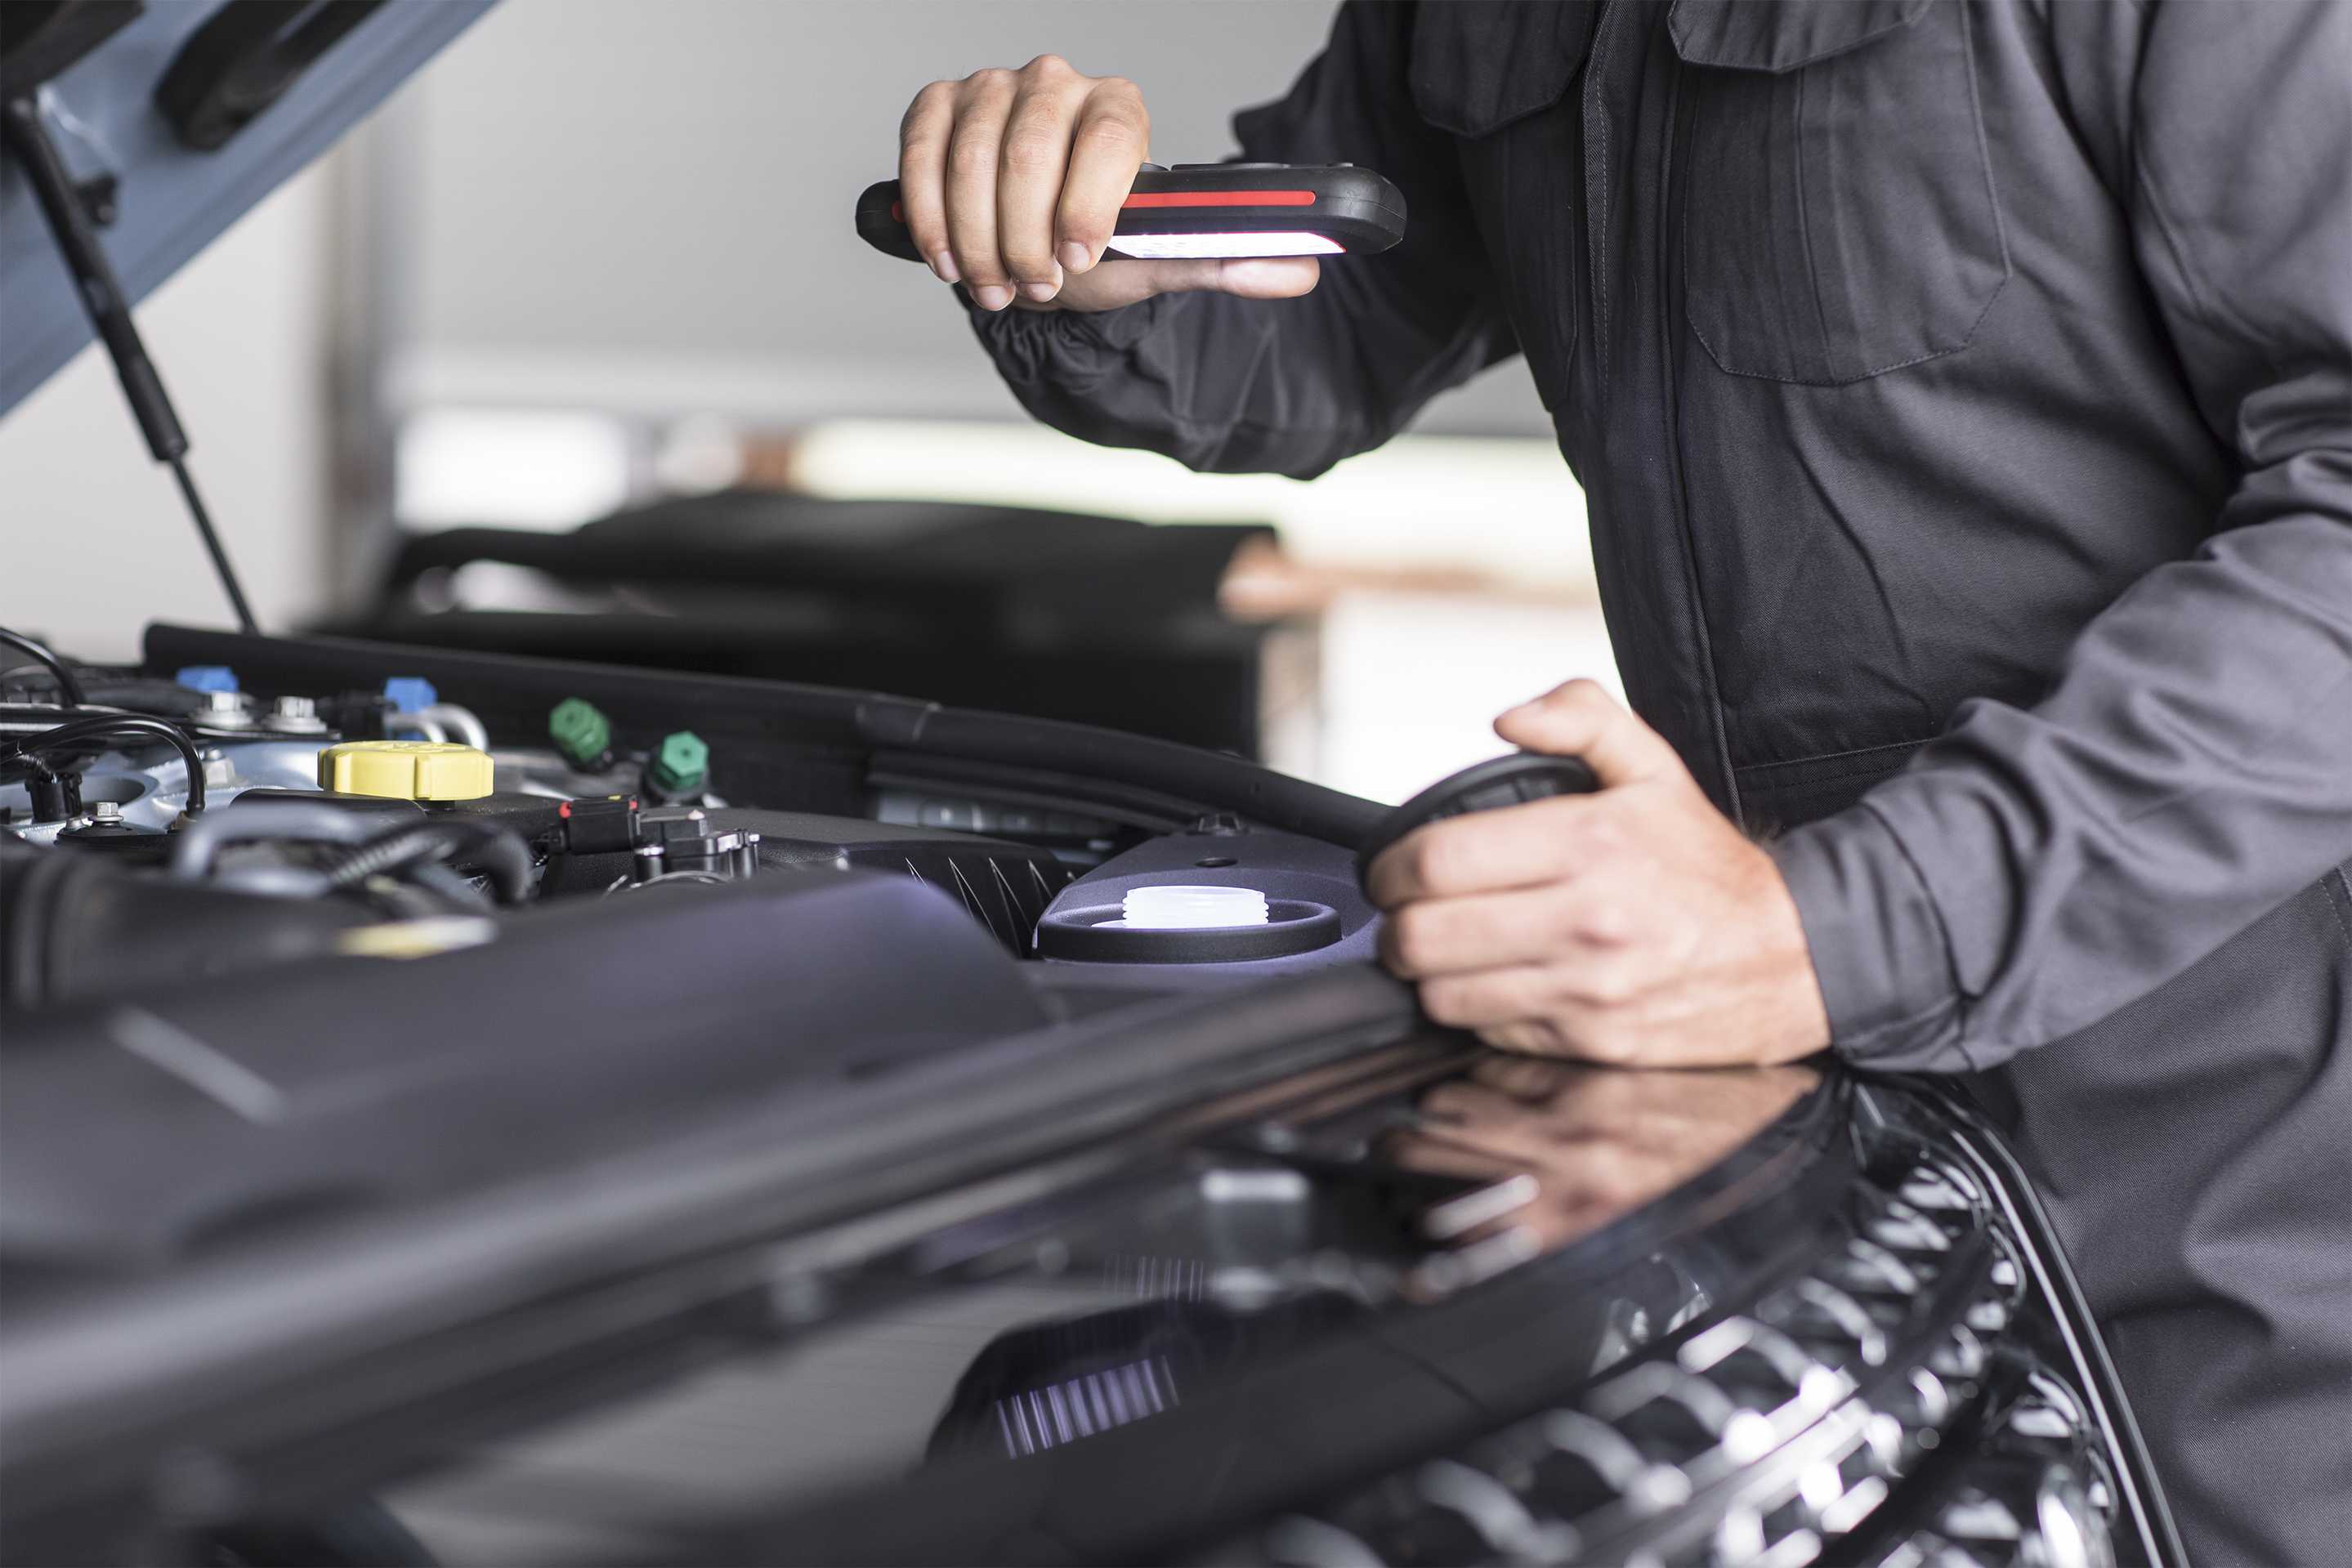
1962 392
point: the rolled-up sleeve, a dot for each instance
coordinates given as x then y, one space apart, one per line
2037 868
1288 386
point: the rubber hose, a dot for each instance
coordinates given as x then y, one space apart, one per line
501 854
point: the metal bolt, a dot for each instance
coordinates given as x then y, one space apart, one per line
222 709
296 713
105 813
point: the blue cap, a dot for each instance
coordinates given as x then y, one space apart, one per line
410 693
207 677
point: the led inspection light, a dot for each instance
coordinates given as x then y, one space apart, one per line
1169 908
1212 210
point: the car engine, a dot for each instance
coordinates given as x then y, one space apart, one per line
163 829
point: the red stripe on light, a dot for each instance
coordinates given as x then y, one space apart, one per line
1190 199
1220 198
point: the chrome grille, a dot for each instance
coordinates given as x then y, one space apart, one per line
1883 1407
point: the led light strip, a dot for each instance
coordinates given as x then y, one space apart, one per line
1172 247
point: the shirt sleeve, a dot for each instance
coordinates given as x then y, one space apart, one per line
1288 386
2036 869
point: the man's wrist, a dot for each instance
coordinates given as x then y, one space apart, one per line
1877 942
1795 1017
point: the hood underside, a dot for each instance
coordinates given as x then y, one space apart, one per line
168 198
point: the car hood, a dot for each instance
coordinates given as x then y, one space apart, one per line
168 198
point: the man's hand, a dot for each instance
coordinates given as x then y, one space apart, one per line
1633 926
1011 182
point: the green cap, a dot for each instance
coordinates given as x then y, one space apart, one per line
680 764
581 731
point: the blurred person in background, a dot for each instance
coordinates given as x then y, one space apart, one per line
1963 395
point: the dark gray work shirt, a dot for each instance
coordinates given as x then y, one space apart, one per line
1963 396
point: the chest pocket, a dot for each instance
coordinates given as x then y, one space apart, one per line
1478 64
1841 218
1492 73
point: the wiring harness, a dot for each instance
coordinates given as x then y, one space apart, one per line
30 752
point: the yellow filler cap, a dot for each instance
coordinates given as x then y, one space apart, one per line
406 770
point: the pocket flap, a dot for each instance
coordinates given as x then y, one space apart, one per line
1478 64
1779 35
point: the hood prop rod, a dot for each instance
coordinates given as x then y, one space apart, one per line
110 312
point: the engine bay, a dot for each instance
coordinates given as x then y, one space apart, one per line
171 827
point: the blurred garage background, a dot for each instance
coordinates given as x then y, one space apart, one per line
599 258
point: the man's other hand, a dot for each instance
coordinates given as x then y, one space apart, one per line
1011 184
1636 925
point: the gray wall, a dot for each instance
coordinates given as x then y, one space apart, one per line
646 205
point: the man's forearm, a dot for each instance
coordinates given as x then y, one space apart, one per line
2035 870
